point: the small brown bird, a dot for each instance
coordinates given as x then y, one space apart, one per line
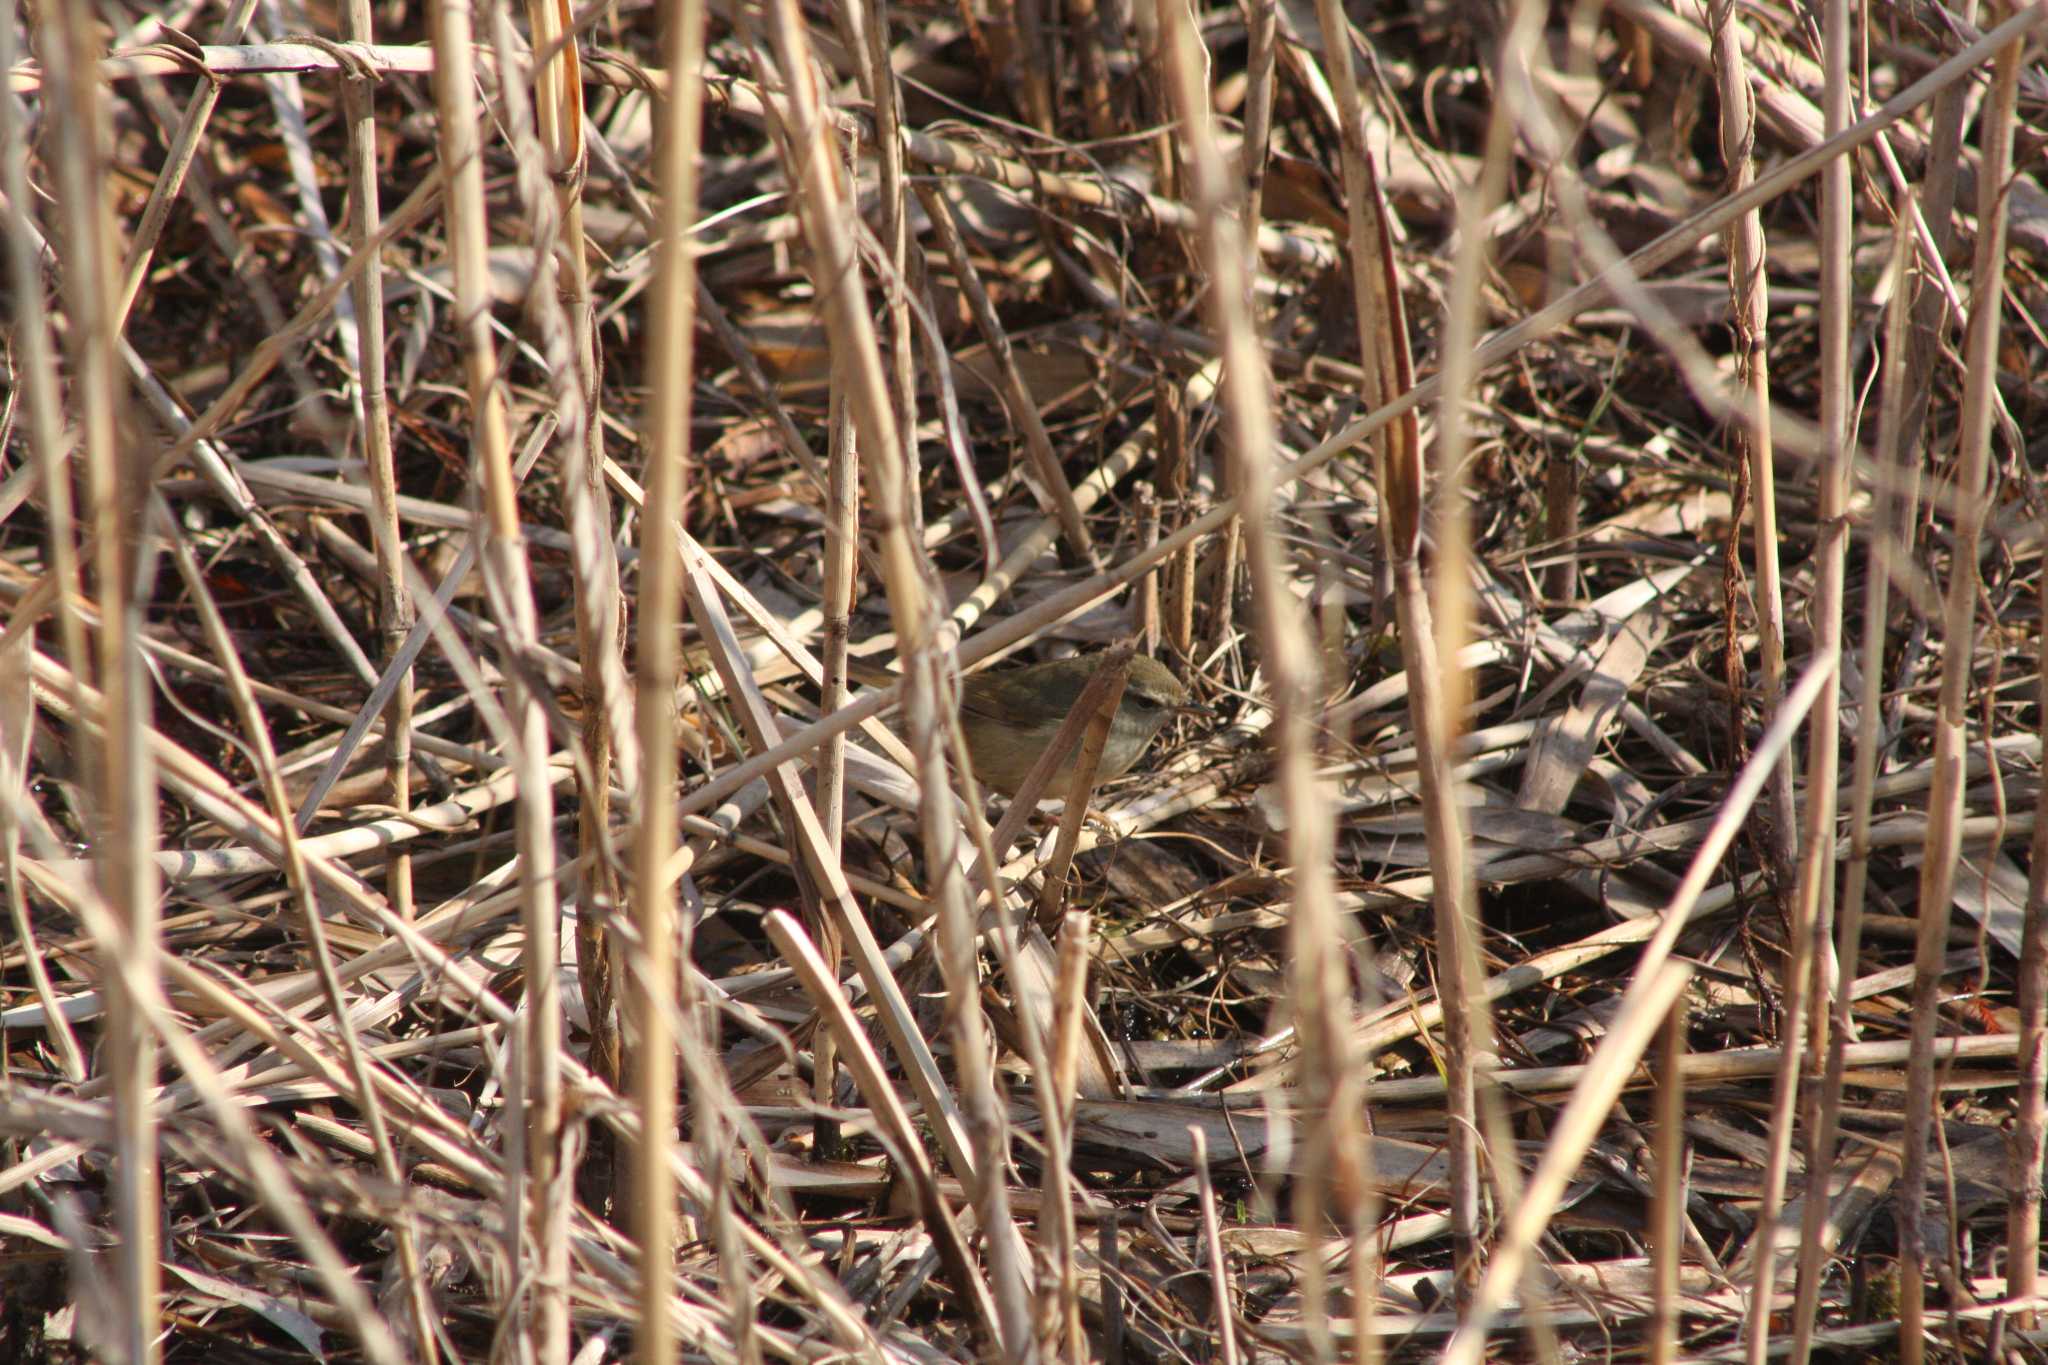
1010 715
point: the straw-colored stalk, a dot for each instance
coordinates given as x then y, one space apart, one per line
539 1233
125 814
1806 995
1959 624
2030 1127
395 611
877 76
1749 314
652 985
1667 1209
1893 507
549 181
1645 1009
36 384
828 774
1330 1184
1936 311
1061 1299
1431 631
1212 1245
822 204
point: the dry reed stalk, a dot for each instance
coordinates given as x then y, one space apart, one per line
548 140
1147 611
1959 626
1432 627
896 254
2030 1124
1806 999
833 264
1383 349
651 987
1749 294
828 772
1892 509
1061 1298
1174 470
35 381
1262 23
1212 1242
122 775
538 1237
1331 1184
1935 312
395 611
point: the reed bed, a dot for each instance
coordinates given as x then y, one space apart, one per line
1587 463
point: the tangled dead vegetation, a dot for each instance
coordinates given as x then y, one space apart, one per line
1586 466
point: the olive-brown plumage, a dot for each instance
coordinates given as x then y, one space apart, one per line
1010 715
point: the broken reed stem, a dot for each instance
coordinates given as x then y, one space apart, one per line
1056 1095
828 782
2030 1124
1108 687
1668 1199
1212 1245
1435 700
